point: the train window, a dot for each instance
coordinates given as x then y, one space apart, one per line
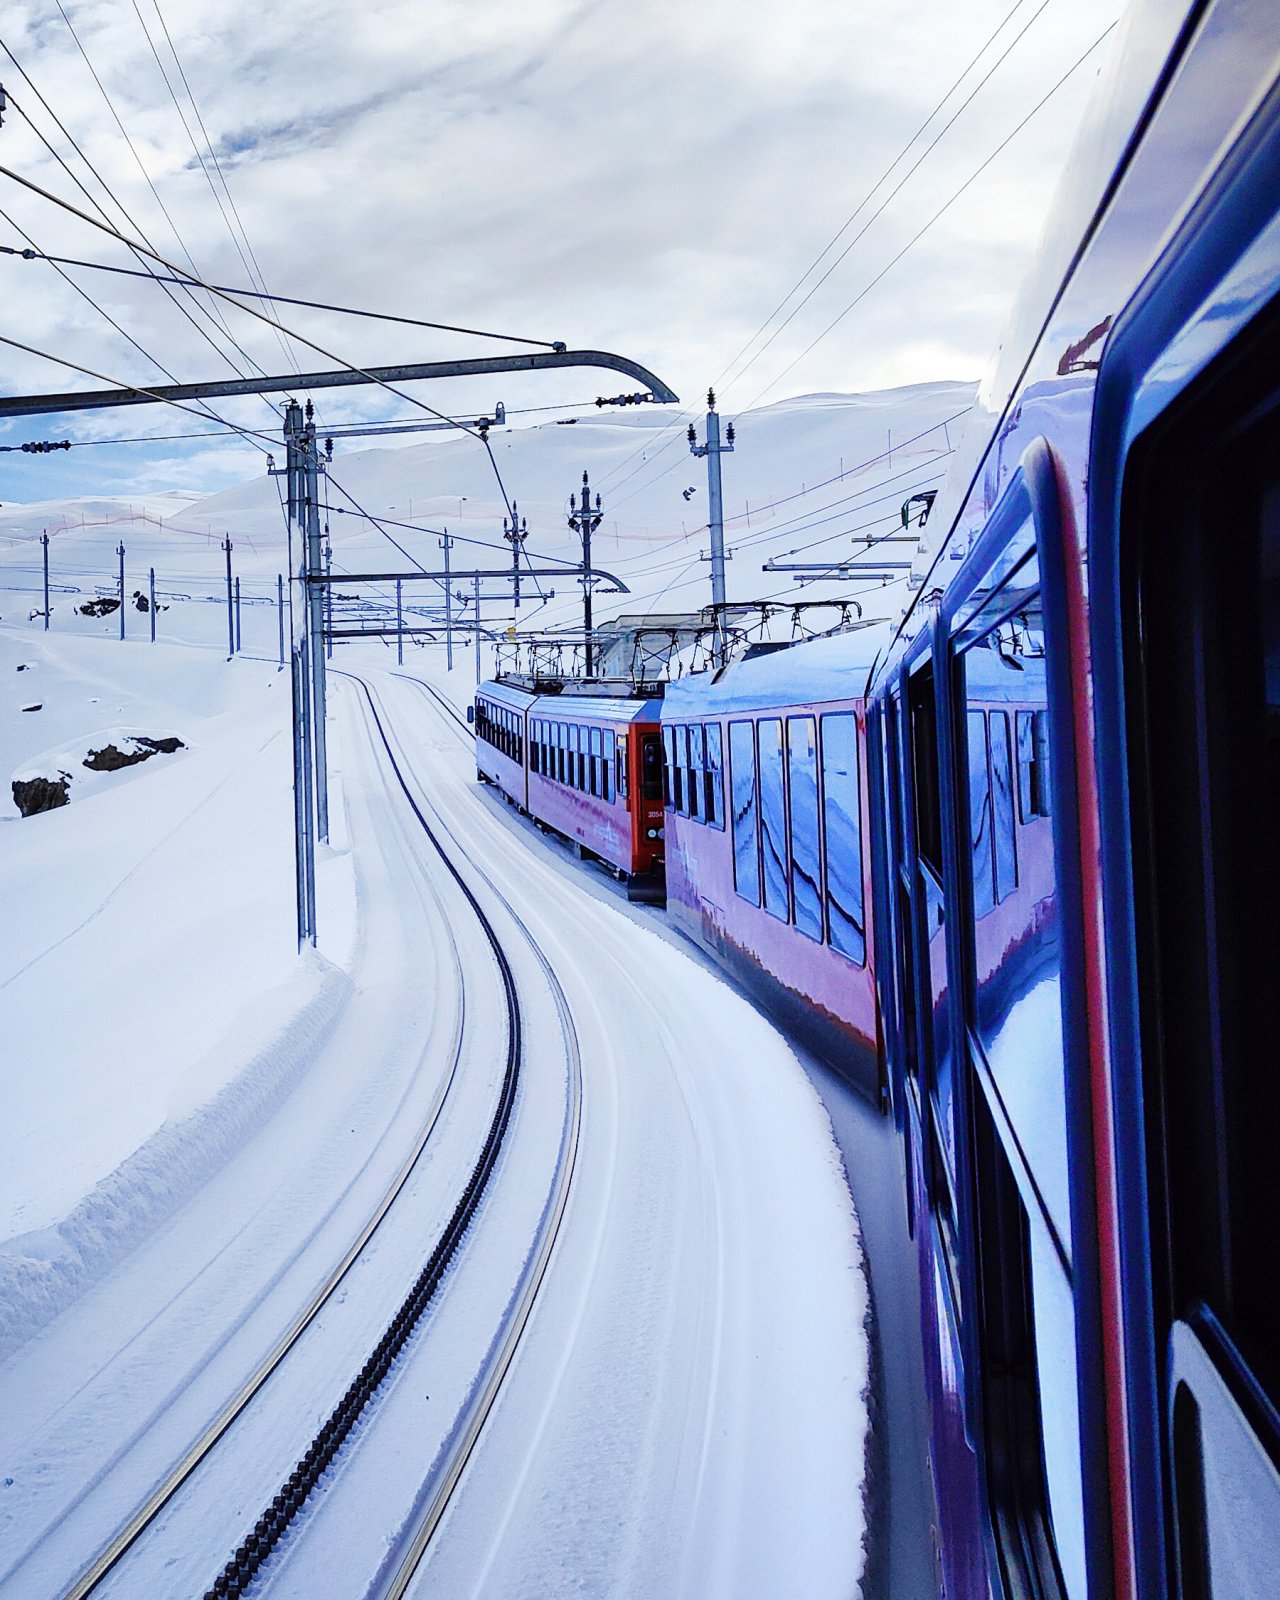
980 856
668 765
624 787
651 777
677 759
773 818
714 808
922 708
608 745
1205 637
1033 764
1016 1011
580 758
535 749
693 787
593 761
1002 806
802 783
743 792
842 828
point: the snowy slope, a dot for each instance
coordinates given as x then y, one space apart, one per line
804 473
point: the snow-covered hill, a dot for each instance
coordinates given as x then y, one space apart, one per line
804 475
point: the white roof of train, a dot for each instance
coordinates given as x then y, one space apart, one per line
812 673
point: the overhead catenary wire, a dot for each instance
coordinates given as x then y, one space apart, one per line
937 215
124 133
285 349
382 383
290 300
678 422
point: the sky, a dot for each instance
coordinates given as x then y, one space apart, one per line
652 178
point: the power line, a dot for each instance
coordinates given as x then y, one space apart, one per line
941 211
678 422
220 318
382 383
285 349
287 300
898 187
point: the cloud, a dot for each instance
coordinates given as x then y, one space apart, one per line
649 178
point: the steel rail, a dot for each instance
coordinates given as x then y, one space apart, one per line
407 1557
146 1513
252 1554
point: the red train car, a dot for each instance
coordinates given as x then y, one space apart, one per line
585 765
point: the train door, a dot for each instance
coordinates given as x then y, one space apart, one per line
1197 586
883 870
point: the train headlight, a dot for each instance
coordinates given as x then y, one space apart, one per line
652 833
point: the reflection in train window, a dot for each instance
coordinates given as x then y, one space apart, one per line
773 818
842 814
742 781
984 896
1002 805
802 778
693 739
714 809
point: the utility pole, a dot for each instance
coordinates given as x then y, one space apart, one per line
399 625
151 590
237 613
713 449
477 628
231 616
515 532
315 618
44 540
447 543
280 613
584 522
120 553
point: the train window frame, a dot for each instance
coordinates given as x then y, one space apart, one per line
745 849
813 924
779 906
857 882
714 739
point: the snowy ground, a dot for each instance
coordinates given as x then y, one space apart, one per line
198 1124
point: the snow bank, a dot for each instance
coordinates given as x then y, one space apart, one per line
43 1271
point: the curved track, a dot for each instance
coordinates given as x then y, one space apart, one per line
252 1554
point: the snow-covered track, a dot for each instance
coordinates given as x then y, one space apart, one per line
111 1554
251 1555
398 1573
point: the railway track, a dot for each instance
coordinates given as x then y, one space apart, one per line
252 1554
254 1551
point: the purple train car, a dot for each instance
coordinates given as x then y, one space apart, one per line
1074 741
768 865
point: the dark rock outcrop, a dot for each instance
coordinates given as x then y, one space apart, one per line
101 607
111 758
31 795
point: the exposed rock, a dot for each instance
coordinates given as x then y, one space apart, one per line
39 706
31 795
22 667
103 606
111 758
140 600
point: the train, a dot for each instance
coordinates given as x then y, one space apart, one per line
1013 861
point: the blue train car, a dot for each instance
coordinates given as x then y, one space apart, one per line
1077 848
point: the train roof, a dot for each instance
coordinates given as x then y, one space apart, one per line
812 673
573 707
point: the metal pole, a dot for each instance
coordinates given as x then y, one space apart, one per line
448 606
315 623
237 613
151 589
328 602
399 626
44 540
304 847
231 615
120 553
713 449
280 612
477 626
584 523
